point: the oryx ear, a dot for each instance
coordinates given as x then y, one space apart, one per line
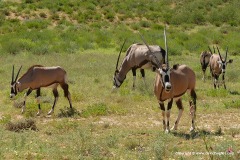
230 61
219 62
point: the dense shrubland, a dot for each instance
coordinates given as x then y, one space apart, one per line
43 27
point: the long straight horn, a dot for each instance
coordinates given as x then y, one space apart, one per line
13 74
166 48
226 54
120 53
219 54
145 43
18 74
211 50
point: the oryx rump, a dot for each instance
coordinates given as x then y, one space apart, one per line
171 84
218 66
138 56
39 76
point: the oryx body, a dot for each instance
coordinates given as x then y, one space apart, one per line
181 79
39 76
139 56
217 67
171 84
204 60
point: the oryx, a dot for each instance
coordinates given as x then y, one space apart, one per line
171 84
138 56
38 76
218 65
204 60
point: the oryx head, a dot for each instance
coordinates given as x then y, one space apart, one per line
223 61
164 71
116 81
14 83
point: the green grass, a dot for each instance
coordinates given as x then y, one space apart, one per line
126 124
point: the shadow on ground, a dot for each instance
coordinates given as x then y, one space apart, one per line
198 134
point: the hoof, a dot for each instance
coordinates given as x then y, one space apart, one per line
167 131
38 113
50 112
192 129
173 128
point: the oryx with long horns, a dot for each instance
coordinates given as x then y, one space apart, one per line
171 84
218 66
39 76
138 56
204 60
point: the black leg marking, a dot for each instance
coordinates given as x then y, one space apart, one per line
38 94
134 75
28 92
67 93
162 106
134 71
194 97
170 104
179 104
142 73
223 80
56 95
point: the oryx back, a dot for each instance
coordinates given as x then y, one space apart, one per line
139 56
39 76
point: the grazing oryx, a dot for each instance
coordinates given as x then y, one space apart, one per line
138 56
36 77
171 84
217 66
204 60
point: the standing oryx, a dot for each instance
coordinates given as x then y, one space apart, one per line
171 84
36 77
138 56
204 60
217 66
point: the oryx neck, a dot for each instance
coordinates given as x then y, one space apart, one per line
124 68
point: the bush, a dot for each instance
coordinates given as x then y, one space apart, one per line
98 109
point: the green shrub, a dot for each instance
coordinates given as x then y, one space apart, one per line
232 104
98 109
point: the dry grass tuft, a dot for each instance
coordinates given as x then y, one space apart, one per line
27 124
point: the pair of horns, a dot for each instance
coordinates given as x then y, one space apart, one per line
219 53
17 74
165 39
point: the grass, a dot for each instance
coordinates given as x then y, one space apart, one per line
126 124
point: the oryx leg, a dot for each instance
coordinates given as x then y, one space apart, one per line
25 98
216 84
193 108
56 95
168 115
161 104
143 76
223 80
134 77
204 72
180 108
67 93
38 101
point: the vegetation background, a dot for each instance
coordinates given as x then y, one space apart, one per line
84 37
